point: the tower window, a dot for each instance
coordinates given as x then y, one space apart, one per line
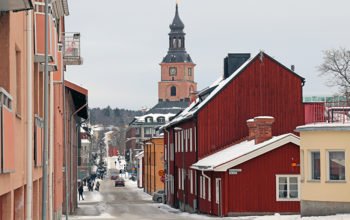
174 43
190 71
179 43
173 91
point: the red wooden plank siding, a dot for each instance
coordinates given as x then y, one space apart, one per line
263 88
255 186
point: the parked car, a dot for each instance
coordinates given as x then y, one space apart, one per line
119 182
158 196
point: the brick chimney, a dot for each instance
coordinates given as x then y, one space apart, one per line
193 96
263 128
252 129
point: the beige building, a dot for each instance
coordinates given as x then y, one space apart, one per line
325 165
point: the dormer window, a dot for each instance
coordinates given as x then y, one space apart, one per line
161 119
149 119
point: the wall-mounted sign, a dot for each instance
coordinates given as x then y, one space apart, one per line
234 171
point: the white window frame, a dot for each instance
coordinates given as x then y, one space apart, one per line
179 141
310 171
195 139
186 140
182 141
288 176
190 139
217 193
176 142
195 182
328 165
179 178
200 186
191 181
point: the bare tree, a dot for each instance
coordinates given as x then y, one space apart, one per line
336 66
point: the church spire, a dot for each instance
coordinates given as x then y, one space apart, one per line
177 52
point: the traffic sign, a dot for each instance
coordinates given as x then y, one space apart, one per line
162 178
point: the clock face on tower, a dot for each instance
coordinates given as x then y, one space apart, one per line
172 71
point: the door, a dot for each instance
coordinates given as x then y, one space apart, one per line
218 195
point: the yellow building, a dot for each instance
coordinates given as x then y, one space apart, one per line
153 164
325 166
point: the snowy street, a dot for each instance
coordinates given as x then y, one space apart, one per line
132 203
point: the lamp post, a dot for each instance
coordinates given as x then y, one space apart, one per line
183 167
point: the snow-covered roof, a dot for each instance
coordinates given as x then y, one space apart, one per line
324 127
242 152
154 117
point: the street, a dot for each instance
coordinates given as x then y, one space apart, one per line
127 202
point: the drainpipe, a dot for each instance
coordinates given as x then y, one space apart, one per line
71 141
29 180
209 186
51 149
46 116
167 169
65 145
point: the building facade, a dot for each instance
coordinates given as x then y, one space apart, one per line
325 159
259 85
153 163
22 109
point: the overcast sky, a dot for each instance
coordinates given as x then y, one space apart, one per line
123 42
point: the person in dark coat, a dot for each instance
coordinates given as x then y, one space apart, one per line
81 191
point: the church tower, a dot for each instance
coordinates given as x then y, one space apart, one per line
177 69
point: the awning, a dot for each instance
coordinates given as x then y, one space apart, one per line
80 98
239 153
15 5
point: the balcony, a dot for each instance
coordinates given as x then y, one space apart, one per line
71 53
15 5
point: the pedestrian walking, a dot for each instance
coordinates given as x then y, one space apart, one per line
81 191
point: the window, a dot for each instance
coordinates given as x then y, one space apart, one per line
200 187
287 187
191 181
186 140
149 119
190 71
176 143
179 43
173 91
336 165
315 165
174 42
179 178
195 182
149 131
195 139
190 139
179 142
18 82
182 141
161 119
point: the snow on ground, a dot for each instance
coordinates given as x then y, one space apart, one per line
95 201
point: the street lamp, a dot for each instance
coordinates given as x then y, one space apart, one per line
183 168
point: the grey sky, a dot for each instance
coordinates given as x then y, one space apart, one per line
123 42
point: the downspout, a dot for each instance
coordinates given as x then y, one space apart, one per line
51 149
71 140
167 169
29 180
65 145
209 187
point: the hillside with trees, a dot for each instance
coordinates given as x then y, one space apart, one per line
116 117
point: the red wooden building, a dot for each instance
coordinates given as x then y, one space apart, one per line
250 87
